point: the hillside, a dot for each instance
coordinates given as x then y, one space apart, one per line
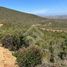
17 19
13 16
15 22
32 39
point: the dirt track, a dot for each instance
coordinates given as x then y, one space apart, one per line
6 58
49 30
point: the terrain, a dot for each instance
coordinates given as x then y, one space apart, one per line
61 17
20 30
13 16
6 58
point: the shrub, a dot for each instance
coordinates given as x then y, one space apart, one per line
29 57
23 41
14 42
11 42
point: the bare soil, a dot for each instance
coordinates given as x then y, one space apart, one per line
6 58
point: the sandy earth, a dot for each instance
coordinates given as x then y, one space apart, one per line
6 58
1 25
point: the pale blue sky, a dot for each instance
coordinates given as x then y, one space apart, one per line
43 7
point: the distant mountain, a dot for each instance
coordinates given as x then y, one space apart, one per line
57 17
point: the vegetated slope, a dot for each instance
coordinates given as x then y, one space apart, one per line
12 25
12 21
13 16
16 19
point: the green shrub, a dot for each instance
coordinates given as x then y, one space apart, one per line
23 41
29 57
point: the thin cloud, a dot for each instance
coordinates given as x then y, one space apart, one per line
38 11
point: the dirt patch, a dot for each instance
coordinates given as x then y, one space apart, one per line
6 58
1 25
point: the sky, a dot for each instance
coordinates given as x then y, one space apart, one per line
38 7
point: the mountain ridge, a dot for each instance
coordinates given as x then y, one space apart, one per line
10 15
